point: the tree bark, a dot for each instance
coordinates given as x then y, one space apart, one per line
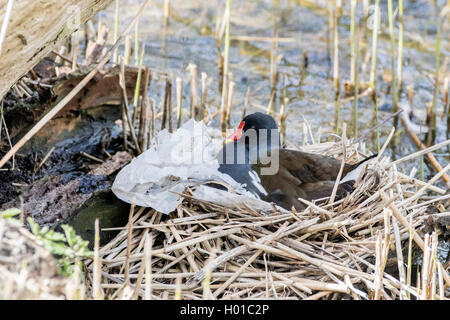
35 28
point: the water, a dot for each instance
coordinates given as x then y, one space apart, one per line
189 37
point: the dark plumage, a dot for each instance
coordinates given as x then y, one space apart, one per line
300 175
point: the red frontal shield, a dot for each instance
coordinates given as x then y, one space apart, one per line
238 133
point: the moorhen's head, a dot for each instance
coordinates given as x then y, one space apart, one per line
256 121
257 134
255 138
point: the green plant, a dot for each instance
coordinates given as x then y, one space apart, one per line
10 213
68 248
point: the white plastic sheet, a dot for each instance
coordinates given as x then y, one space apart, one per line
174 161
233 200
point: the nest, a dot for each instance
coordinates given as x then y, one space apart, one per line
338 250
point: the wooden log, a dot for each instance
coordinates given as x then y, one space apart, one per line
60 105
35 29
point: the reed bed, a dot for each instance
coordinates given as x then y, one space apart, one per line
347 249
360 247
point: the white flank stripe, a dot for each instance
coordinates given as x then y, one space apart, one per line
352 175
257 182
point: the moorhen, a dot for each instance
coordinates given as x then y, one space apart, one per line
299 175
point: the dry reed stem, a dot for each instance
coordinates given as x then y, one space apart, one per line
125 108
229 101
430 156
49 153
194 94
169 106
341 169
128 248
179 93
127 49
143 128
96 290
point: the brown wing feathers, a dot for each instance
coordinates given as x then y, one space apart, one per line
309 167
304 175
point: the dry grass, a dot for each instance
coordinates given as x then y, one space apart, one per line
334 251
346 249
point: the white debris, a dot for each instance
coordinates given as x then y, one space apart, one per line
232 200
256 180
174 161
352 175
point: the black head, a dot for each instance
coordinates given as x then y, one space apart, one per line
255 121
259 120
256 136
